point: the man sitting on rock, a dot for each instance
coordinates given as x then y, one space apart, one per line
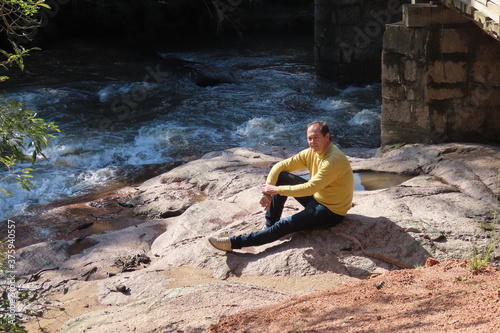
326 196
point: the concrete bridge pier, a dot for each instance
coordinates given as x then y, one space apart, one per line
440 79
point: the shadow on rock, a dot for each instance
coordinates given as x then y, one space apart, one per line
359 246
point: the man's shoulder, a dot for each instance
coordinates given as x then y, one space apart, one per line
304 153
334 150
335 154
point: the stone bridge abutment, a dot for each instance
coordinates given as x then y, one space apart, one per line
439 69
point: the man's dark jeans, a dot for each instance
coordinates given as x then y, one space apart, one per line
314 215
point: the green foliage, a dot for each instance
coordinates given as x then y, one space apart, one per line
11 327
28 7
17 16
480 261
20 130
16 57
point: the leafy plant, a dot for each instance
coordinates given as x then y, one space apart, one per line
480 261
460 278
18 22
16 57
21 130
18 16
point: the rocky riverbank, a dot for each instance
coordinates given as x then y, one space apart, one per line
137 259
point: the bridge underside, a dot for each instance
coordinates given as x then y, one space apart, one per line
485 13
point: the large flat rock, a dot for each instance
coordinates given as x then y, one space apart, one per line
444 211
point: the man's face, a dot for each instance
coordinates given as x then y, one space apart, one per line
316 140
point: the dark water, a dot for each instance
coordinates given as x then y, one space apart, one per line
123 112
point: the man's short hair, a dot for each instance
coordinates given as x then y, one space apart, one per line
323 127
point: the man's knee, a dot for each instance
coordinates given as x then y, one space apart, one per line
287 178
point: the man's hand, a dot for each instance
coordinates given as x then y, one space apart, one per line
265 201
267 191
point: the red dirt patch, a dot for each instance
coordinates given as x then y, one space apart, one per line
437 298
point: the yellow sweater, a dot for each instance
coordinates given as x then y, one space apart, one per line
331 182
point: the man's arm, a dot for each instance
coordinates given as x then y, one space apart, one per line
269 189
326 175
294 163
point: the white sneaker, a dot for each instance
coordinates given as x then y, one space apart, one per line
265 226
220 243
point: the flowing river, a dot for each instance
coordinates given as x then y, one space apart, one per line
126 115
